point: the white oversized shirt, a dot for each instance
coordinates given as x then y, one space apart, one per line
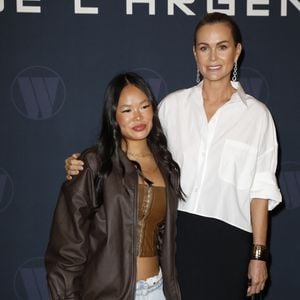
225 162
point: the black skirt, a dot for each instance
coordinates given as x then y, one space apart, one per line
212 258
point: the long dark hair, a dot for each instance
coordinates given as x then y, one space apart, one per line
109 142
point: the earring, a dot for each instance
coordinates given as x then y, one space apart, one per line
234 73
198 76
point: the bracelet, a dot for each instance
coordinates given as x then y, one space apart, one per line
259 252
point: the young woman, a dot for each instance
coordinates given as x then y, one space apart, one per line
113 231
225 144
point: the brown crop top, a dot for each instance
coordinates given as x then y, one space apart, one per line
151 214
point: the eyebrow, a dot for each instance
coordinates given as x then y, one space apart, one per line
141 103
145 101
221 42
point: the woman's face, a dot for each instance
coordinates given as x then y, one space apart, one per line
215 51
134 114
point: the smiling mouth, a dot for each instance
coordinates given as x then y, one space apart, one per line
213 68
140 127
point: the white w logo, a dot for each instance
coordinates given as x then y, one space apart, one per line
38 93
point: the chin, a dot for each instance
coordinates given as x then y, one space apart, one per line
138 137
217 77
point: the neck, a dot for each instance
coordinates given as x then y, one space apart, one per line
136 148
217 91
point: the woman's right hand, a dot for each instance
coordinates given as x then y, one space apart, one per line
73 165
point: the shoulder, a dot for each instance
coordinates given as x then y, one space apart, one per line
259 113
257 107
177 97
253 104
89 172
90 158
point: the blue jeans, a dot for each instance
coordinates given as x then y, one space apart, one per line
150 289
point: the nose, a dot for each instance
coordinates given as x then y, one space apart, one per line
213 54
137 115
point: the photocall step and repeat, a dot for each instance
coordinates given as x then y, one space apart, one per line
56 58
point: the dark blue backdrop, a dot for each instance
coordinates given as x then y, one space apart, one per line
56 58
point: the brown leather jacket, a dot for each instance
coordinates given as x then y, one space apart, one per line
91 253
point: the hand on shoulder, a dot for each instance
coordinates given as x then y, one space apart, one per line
73 165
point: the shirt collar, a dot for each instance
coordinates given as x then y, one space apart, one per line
240 93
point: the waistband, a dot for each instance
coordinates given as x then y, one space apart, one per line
151 282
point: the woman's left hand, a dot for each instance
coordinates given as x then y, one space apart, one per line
258 275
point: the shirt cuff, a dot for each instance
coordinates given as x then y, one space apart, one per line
265 187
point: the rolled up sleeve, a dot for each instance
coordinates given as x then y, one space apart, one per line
265 185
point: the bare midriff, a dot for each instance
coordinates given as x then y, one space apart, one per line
147 267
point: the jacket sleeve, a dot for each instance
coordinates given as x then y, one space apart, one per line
67 250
